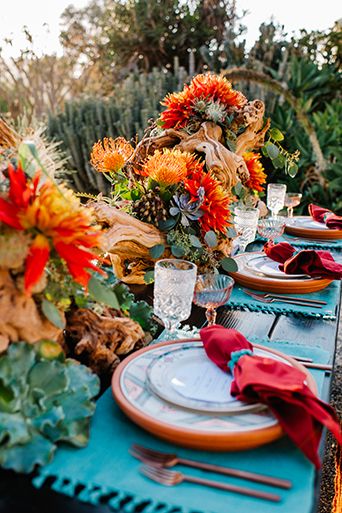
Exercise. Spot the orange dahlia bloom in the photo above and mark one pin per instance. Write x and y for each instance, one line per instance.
(257, 177)
(216, 201)
(110, 155)
(170, 167)
(208, 87)
(58, 221)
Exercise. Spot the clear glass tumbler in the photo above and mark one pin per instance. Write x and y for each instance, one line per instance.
(276, 197)
(174, 284)
(245, 224)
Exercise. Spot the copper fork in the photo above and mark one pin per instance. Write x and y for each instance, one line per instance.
(264, 299)
(172, 478)
(161, 459)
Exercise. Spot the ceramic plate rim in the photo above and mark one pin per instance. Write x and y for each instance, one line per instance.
(122, 400)
(241, 408)
(286, 277)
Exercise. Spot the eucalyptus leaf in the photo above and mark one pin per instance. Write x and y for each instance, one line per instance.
(211, 239)
(279, 162)
(195, 242)
(276, 134)
(229, 265)
(231, 232)
(157, 251)
(272, 150)
(238, 188)
(99, 292)
(292, 169)
(149, 277)
(167, 225)
(52, 313)
(177, 251)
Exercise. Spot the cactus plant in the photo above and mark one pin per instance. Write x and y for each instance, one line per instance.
(126, 112)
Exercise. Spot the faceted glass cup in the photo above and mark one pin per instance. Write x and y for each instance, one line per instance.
(276, 197)
(271, 228)
(245, 224)
(174, 283)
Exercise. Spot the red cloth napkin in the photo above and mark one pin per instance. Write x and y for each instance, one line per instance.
(323, 215)
(311, 262)
(300, 413)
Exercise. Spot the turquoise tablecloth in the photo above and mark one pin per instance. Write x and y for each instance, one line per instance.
(104, 470)
(241, 301)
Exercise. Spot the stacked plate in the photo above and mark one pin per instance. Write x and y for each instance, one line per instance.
(174, 391)
(306, 227)
(258, 272)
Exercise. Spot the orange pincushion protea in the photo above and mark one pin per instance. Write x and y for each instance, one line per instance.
(110, 155)
(216, 201)
(208, 87)
(57, 219)
(257, 177)
(170, 167)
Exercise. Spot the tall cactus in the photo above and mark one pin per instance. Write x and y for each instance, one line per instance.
(126, 112)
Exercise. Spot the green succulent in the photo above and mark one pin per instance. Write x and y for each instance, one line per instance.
(44, 399)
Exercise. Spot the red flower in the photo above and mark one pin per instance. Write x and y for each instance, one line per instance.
(57, 219)
(216, 201)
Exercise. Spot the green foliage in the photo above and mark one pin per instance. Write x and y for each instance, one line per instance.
(43, 401)
(126, 113)
(102, 293)
(144, 33)
(139, 311)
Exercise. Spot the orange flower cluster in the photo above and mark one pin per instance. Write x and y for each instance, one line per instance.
(170, 167)
(110, 155)
(216, 201)
(209, 87)
(257, 177)
(56, 219)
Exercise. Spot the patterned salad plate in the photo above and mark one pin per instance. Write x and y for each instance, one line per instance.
(191, 427)
(250, 275)
(306, 227)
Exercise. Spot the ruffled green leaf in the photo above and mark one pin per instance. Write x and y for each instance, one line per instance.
(42, 401)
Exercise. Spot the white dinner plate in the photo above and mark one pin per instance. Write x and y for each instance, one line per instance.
(187, 377)
(264, 265)
(306, 222)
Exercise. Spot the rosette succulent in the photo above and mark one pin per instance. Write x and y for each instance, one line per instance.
(44, 399)
(188, 210)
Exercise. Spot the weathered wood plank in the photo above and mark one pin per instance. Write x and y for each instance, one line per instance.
(249, 323)
(306, 331)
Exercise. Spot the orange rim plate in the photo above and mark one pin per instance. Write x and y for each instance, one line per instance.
(312, 233)
(214, 432)
(247, 278)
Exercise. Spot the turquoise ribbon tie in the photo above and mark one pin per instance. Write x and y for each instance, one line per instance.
(235, 356)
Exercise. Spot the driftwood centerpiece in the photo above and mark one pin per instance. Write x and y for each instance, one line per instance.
(182, 178)
(126, 239)
(99, 341)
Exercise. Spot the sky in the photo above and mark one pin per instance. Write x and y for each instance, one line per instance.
(293, 14)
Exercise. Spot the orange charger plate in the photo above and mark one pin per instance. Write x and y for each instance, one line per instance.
(232, 441)
(255, 282)
(312, 233)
